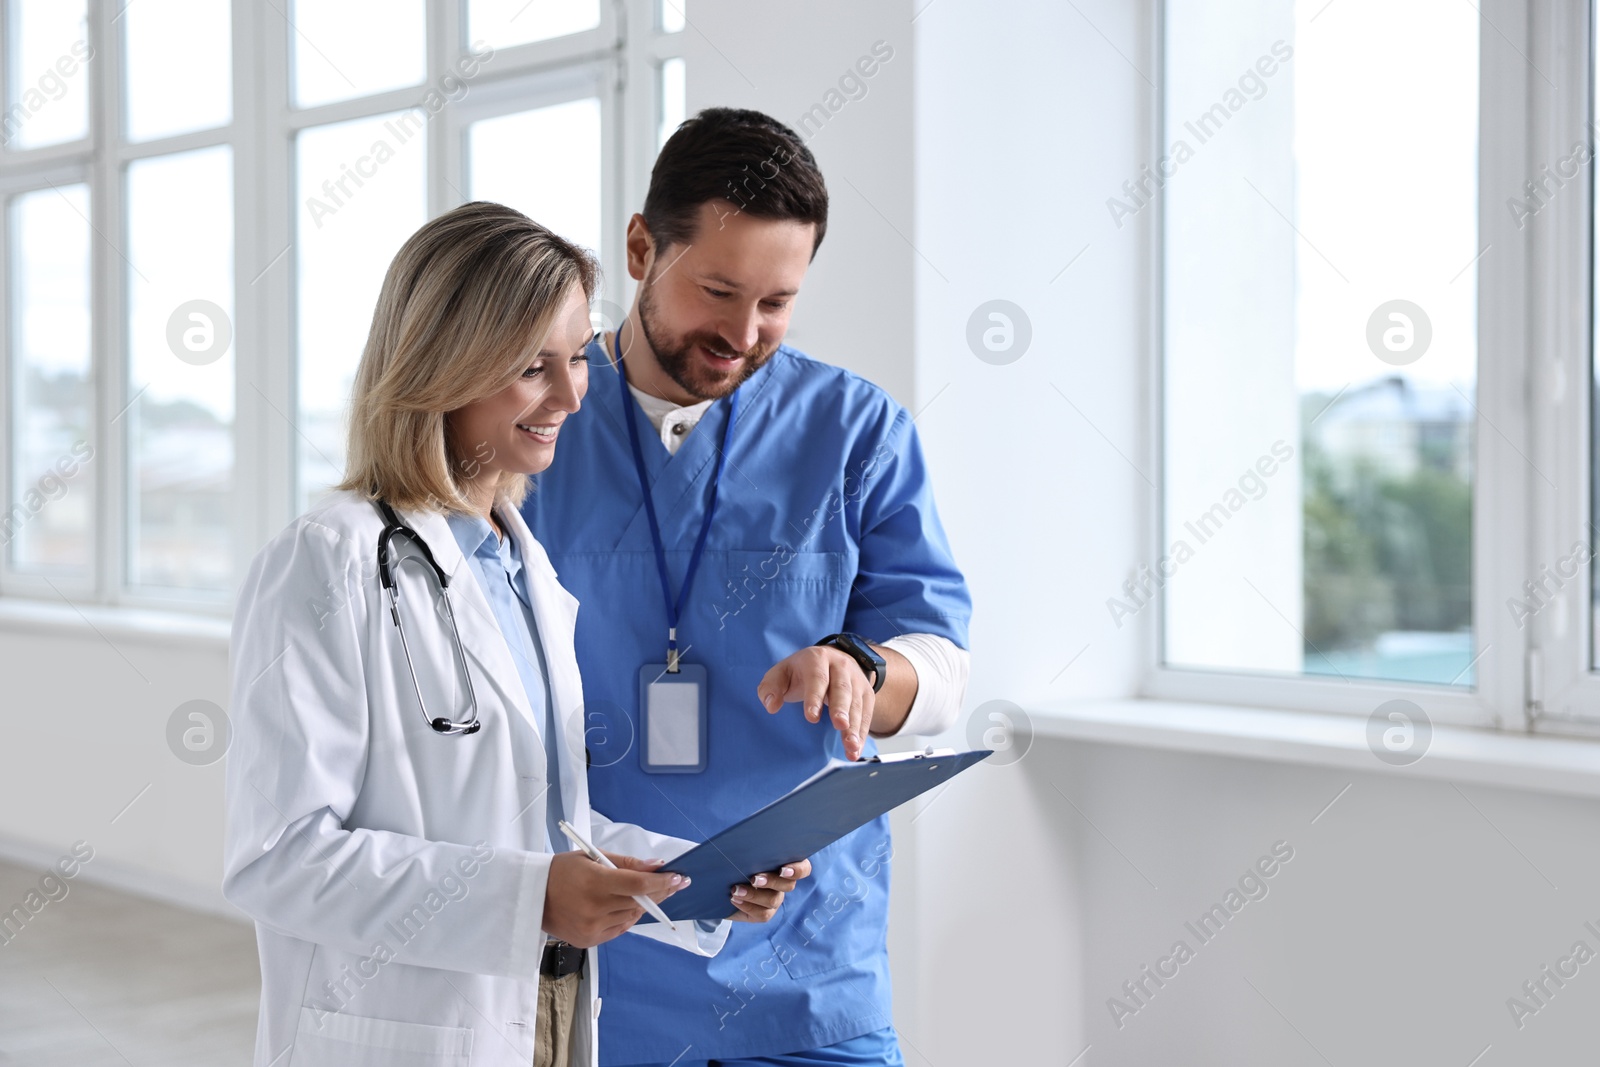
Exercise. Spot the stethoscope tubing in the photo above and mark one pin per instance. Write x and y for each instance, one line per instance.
(396, 527)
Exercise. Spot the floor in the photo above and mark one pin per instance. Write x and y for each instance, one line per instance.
(102, 977)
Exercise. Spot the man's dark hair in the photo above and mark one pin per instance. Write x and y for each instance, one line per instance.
(744, 157)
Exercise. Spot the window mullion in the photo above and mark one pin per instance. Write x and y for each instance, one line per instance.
(8, 348)
(1505, 471)
(108, 274)
(252, 255)
(444, 46)
(261, 81)
(631, 138)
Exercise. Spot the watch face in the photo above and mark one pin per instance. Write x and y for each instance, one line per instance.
(872, 664)
(852, 644)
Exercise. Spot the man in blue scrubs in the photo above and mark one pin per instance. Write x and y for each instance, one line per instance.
(788, 505)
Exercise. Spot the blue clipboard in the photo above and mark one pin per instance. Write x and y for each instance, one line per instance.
(841, 798)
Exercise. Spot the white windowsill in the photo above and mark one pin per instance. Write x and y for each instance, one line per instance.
(1456, 753)
(162, 627)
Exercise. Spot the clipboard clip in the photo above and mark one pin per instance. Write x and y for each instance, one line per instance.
(899, 757)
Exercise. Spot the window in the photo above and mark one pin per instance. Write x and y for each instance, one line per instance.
(672, 15)
(354, 48)
(503, 23)
(1337, 520)
(180, 369)
(566, 197)
(345, 236)
(188, 35)
(53, 442)
(190, 255)
(46, 92)
(674, 97)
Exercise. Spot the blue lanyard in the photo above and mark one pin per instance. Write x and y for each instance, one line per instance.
(674, 607)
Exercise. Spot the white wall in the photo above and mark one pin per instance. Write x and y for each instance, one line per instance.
(1025, 123)
(1410, 912)
(1026, 894)
(855, 309)
(85, 715)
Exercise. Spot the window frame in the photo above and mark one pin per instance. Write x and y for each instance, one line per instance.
(1563, 686)
(1500, 490)
(261, 136)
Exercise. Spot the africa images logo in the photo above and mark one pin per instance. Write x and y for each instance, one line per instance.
(1399, 732)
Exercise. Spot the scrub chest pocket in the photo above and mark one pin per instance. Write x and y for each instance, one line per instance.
(777, 601)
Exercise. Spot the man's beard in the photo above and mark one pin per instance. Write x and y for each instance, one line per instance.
(677, 356)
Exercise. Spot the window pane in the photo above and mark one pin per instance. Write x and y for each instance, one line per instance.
(180, 337)
(180, 70)
(674, 98)
(502, 23)
(672, 16)
(349, 228)
(346, 48)
(47, 87)
(49, 519)
(507, 159)
(1320, 340)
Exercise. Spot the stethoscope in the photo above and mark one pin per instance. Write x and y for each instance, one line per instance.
(397, 528)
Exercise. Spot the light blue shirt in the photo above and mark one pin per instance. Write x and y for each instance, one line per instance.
(498, 567)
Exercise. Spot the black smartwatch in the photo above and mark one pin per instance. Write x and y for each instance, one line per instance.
(855, 646)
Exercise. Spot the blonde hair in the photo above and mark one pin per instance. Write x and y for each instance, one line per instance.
(466, 298)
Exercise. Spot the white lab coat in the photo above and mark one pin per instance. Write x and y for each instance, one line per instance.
(396, 875)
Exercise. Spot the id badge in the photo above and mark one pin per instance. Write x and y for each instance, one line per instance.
(672, 719)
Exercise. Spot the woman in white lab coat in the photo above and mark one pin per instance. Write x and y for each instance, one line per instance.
(392, 791)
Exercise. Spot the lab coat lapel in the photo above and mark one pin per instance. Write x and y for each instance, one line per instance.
(485, 645)
(555, 612)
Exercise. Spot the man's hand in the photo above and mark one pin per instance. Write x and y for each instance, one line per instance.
(818, 675)
(586, 904)
(759, 901)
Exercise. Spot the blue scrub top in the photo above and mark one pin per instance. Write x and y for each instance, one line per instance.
(825, 522)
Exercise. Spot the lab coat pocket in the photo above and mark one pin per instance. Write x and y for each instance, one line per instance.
(336, 1039)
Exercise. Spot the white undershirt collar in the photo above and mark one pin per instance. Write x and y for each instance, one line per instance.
(672, 422)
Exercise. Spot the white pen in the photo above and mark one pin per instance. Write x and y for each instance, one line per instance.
(605, 861)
